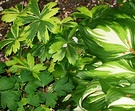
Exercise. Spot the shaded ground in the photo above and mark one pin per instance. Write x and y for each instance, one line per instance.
(66, 8)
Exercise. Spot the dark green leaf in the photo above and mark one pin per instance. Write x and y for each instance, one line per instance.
(6, 83)
(9, 99)
(45, 78)
(63, 86)
(2, 67)
(50, 99)
(33, 99)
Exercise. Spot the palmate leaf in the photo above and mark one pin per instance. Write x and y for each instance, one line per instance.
(12, 13)
(9, 99)
(45, 78)
(114, 40)
(27, 64)
(41, 51)
(63, 86)
(12, 41)
(64, 47)
(40, 23)
(49, 99)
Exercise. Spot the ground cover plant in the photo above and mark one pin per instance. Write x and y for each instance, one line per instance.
(85, 62)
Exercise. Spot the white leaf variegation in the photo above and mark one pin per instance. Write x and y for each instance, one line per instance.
(123, 101)
(114, 38)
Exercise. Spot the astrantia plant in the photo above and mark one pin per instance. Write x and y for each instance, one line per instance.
(80, 63)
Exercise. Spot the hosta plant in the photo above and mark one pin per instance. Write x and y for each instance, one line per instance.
(80, 63)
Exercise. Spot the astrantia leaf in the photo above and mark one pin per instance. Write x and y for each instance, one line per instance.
(38, 23)
(9, 99)
(50, 99)
(33, 99)
(45, 78)
(7, 83)
(12, 41)
(12, 13)
(63, 86)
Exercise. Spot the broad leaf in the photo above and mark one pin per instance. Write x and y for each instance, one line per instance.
(33, 99)
(121, 97)
(50, 99)
(45, 78)
(63, 86)
(118, 69)
(93, 97)
(7, 83)
(114, 41)
(9, 99)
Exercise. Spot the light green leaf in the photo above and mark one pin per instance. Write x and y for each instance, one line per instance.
(11, 14)
(30, 61)
(56, 46)
(71, 55)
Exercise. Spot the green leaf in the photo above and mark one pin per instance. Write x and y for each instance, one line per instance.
(42, 51)
(38, 23)
(42, 108)
(7, 83)
(50, 99)
(93, 97)
(33, 7)
(45, 78)
(31, 87)
(26, 76)
(63, 86)
(71, 54)
(2, 67)
(114, 41)
(12, 41)
(121, 97)
(118, 69)
(30, 61)
(33, 99)
(9, 99)
(11, 14)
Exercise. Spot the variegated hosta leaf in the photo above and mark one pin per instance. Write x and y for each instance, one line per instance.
(122, 97)
(118, 69)
(116, 40)
(93, 98)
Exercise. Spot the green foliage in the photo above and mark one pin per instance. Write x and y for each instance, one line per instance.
(85, 62)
